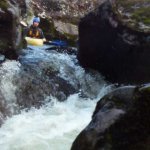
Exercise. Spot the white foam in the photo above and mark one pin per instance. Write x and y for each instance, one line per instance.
(52, 127)
(56, 124)
(8, 71)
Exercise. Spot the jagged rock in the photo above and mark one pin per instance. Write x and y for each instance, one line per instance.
(40, 82)
(115, 39)
(38, 88)
(120, 122)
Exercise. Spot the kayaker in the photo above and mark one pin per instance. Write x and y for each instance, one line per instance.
(34, 31)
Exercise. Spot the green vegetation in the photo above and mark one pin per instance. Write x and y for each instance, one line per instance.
(127, 4)
(4, 5)
(147, 89)
(134, 13)
(142, 15)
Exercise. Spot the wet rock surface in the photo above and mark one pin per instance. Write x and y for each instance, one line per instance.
(40, 76)
(40, 83)
(30, 82)
(120, 121)
(110, 43)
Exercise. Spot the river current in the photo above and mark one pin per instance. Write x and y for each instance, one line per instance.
(56, 123)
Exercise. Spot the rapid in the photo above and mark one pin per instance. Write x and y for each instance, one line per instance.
(47, 98)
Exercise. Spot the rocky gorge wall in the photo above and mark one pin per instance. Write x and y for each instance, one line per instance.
(11, 31)
(115, 39)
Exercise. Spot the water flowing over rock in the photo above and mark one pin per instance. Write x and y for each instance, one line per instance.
(115, 39)
(8, 105)
(120, 122)
(46, 97)
(41, 75)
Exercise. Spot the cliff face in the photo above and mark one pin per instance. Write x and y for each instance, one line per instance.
(68, 9)
(115, 39)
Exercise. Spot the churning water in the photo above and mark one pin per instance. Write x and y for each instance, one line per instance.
(54, 125)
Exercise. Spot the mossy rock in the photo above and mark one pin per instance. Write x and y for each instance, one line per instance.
(50, 32)
(47, 25)
(4, 5)
(134, 13)
(29, 15)
(145, 88)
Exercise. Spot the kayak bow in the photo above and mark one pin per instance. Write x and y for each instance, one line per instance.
(34, 41)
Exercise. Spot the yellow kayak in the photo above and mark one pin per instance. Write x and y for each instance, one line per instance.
(34, 41)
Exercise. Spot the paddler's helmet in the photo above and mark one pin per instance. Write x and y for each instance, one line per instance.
(36, 19)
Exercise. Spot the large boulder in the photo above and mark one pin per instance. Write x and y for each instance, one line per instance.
(11, 31)
(115, 39)
(120, 122)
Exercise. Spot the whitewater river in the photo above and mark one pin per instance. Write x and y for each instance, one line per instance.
(55, 124)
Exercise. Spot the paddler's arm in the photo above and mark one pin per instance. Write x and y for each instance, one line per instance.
(44, 40)
(43, 37)
(41, 34)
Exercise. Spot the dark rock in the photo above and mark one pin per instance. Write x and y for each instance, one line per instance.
(10, 29)
(37, 83)
(61, 49)
(120, 122)
(119, 49)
